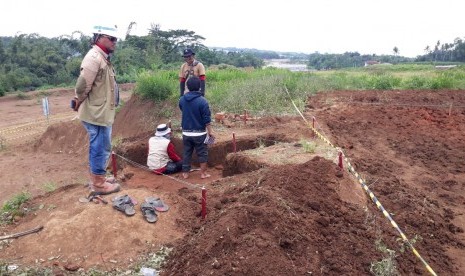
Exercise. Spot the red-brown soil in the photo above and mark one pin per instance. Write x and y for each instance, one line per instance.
(272, 207)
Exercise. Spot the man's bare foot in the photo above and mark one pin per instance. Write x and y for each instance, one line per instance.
(204, 175)
(185, 175)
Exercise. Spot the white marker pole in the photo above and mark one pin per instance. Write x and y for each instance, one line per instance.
(45, 107)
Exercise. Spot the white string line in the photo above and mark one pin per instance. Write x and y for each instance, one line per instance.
(135, 164)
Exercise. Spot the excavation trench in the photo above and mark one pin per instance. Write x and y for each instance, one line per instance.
(221, 155)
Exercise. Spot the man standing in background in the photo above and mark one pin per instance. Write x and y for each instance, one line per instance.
(96, 99)
(191, 67)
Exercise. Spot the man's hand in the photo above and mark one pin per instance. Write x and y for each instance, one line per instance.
(77, 103)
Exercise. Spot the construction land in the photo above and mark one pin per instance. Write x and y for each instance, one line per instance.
(277, 203)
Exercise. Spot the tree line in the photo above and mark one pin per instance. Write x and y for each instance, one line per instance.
(350, 59)
(447, 52)
(29, 61)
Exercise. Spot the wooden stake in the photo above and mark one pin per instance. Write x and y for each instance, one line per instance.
(17, 235)
(234, 142)
(341, 166)
(204, 202)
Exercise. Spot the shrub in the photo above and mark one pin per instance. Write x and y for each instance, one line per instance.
(12, 208)
(441, 81)
(415, 82)
(14, 203)
(157, 87)
(384, 82)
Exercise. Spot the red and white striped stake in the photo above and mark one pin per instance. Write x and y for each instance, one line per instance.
(113, 163)
(204, 202)
(234, 142)
(341, 166)
(245, 116)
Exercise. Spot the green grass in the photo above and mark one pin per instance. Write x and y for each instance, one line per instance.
(2, 143)
(157, 86)
(22, 96)
(308, 146)
(12, 207)
(269, 91)
(116, 141)
(49, 187)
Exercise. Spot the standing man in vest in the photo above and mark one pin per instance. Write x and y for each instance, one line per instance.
(97, 97)
(191, 67)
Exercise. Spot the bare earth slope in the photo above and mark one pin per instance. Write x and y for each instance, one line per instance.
(272, 208)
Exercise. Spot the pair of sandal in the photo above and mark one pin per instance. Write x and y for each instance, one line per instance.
(126, 205)
(150, 207)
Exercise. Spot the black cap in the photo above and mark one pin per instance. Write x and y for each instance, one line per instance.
(187, 52)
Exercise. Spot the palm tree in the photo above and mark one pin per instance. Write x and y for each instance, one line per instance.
(396, 53)
(427, 50)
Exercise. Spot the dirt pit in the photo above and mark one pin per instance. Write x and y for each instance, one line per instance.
(279, 205)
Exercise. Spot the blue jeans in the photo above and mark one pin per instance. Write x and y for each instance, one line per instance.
(189, 144)
(99, 147)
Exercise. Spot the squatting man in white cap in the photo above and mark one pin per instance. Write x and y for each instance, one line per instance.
(96, 99)
(162, 157)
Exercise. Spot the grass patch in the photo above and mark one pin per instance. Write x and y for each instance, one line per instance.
(271, 91)
(22, 96)
(387, 266)
(308, 146)
(49, 187)
(155, 260)
(2, 143)
(404, 246)
(120, 106)
(12, 207)
(157, 86)
(116, 141)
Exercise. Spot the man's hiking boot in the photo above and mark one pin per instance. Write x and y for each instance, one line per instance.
(102, 187)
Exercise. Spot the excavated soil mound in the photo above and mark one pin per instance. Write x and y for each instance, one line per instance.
(409, 146)
(68, 137)
(279, 221)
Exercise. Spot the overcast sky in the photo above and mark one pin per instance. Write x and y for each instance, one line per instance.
(325, 26)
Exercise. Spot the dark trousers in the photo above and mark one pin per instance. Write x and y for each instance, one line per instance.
(191, 143)
(173, 167)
